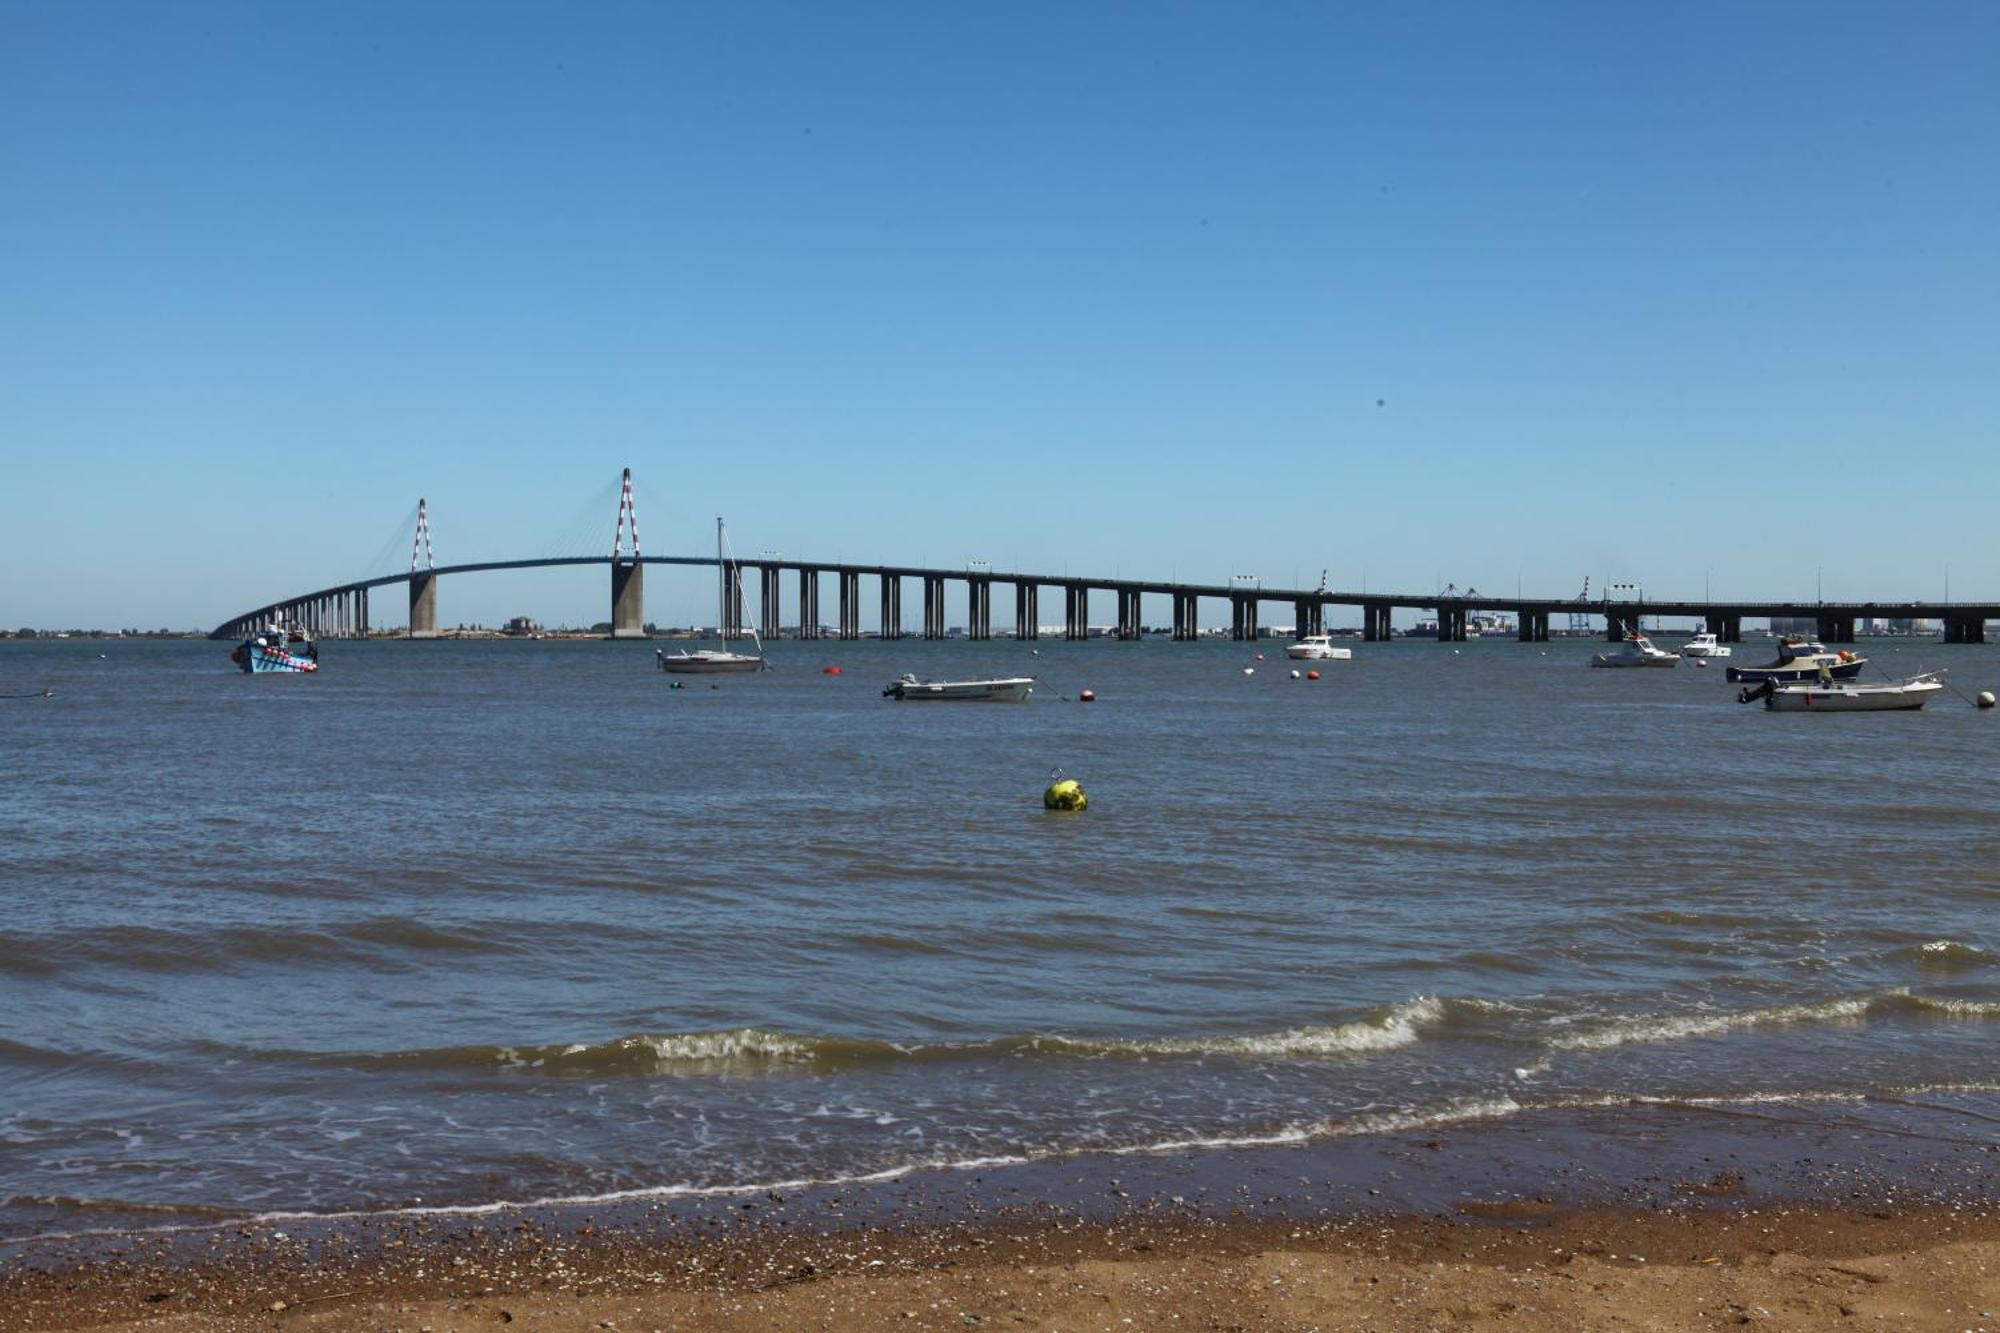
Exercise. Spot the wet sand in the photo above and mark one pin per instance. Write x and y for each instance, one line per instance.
(1860, 1215)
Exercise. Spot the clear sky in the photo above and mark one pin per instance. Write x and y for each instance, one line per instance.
(1684, 295)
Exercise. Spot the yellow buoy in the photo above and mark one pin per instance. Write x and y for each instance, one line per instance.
(1064, 794)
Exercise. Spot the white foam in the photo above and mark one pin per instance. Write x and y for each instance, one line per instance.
(736, 1044)
(1395, 1027)
(1458, 1111)
(1680, 1027)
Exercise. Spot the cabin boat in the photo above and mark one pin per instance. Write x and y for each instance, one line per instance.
(1801, 660)
(1318, 648)
(280, 647)
(708, 661)
(1009, 690)
(1636, 651)
(1841, 696)
(1705, 644)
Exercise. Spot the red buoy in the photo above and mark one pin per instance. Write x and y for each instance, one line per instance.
(1312, 675)
(1087, 696)
(830, 671)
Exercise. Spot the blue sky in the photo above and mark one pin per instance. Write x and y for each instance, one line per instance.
(1670, 294)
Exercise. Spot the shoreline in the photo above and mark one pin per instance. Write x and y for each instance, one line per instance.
(1515, 1195)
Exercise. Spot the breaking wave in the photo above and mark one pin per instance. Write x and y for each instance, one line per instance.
(1386, 1029)
(1846, 1009)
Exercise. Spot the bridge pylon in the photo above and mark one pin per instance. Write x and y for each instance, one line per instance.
(628, 576)
(423, 578)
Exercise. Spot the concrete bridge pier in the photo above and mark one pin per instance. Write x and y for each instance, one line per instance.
(1620, 621)
(1375, 626)
(808, 603)
(1533, 626)
(768, 601)
(979, 608)
(933, 607)
(1965, 629)
(361, 623)
(850, 605)
(1836, 629)
(733, 618)
(1027, 622)
(892, 606)
(628, 600)
(424, 605)
(1076, 611)
(1726, 629)
(1187, 625)
(1129, 626)
(1451, 622)
(1308, 616)
(1242, 616)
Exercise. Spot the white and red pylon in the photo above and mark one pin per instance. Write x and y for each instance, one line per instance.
(625, 511)
(421, 544)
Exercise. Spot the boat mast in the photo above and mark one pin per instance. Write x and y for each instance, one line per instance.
(721, 588)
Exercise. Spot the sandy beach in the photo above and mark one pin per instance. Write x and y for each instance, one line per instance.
(1800, 1268)
(1785, 1219)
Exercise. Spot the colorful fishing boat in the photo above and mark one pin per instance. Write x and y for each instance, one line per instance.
(279, 647)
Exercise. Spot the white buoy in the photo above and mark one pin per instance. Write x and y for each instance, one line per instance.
(1986, 698)
(1295, 673)
(1249, 671)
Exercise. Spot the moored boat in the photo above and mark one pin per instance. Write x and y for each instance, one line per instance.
(1802, 660)
(1705, 644)
(280, 647)
(707, 661)
(1838, 696)
(1636, 651)
(1318, 648)
(711, 661)
(1009, 690)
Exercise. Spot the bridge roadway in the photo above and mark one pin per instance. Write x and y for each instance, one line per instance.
(343, 610)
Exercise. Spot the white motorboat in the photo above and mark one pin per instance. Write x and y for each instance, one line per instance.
(1636, 651)
(1705, 645)
(1318, 648)
(1010, 690)
(709, 661)
(1842, 696)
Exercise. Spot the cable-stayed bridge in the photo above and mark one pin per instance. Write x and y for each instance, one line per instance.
(344, 609)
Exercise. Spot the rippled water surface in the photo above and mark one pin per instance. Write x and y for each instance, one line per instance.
(467, 922)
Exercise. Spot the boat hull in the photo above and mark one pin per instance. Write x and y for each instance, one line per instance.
(709, 664)
(1312, 653)
(1797, 673)
(257, 660)
(1851, 699)
(1611, 660)
(962, 691)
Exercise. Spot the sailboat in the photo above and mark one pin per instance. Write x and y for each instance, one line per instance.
(707, 660)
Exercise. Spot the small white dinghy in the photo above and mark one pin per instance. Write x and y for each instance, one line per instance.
(1011, 690)
(1841, 696)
